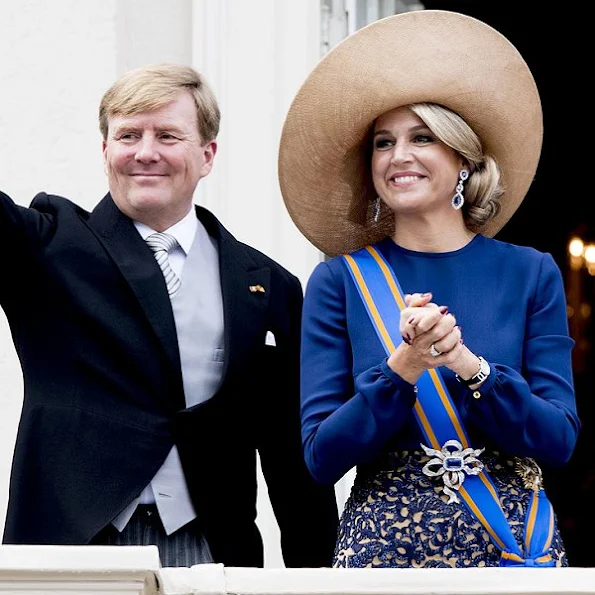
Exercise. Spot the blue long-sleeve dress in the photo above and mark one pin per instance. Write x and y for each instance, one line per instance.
(510, 303)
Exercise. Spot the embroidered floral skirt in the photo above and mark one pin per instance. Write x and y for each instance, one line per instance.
(396, 516)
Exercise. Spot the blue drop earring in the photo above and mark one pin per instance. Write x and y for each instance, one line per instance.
(458, 199)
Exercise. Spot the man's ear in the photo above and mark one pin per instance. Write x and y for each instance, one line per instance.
(209, 152)
(103, 151)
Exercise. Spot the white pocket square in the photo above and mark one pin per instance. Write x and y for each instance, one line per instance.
(270, 339)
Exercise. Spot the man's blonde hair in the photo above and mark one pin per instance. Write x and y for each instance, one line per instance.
(151, 87)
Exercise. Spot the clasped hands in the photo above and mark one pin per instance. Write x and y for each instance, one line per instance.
(431, 330)
(431, 338)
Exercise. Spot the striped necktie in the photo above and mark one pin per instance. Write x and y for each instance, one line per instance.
(162, 244)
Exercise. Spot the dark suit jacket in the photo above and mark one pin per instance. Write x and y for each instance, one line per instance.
(94, 331)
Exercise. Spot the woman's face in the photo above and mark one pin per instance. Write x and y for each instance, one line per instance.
(412, 170)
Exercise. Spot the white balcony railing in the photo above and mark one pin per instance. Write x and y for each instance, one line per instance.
(91, 570)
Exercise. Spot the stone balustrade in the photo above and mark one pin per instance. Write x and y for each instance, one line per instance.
(105, 570)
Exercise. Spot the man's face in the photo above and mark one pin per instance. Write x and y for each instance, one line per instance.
(154, 161)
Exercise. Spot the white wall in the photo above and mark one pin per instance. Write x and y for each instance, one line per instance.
(56, 60)
(255, 55)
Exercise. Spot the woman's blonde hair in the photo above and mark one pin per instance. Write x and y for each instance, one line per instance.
(483, 188)
(151, 87)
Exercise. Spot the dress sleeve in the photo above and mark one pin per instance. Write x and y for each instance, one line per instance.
(345, 420)
(533, 412)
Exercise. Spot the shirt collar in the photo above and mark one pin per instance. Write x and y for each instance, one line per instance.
(184, 230)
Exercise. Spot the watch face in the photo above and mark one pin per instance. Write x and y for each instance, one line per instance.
(482, 374)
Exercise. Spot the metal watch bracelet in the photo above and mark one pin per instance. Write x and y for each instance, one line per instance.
(479, 377)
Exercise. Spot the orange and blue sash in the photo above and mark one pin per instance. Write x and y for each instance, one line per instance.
(439, 420)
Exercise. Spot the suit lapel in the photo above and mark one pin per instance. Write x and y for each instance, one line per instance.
(244, 304)
(139, 267)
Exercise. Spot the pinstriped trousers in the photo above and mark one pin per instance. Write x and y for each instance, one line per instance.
(185, 547)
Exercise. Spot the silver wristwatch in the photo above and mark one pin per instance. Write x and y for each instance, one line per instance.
(482, 374)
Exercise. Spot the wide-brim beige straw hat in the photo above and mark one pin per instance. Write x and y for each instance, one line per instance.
(421, 56)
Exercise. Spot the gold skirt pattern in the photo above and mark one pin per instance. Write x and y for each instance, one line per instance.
(397, 517)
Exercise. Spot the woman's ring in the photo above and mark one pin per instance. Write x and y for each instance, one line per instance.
(433, 351)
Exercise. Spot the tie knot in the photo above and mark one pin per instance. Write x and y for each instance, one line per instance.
(161, 241)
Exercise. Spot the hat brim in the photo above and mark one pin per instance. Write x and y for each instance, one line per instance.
(421, 56)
